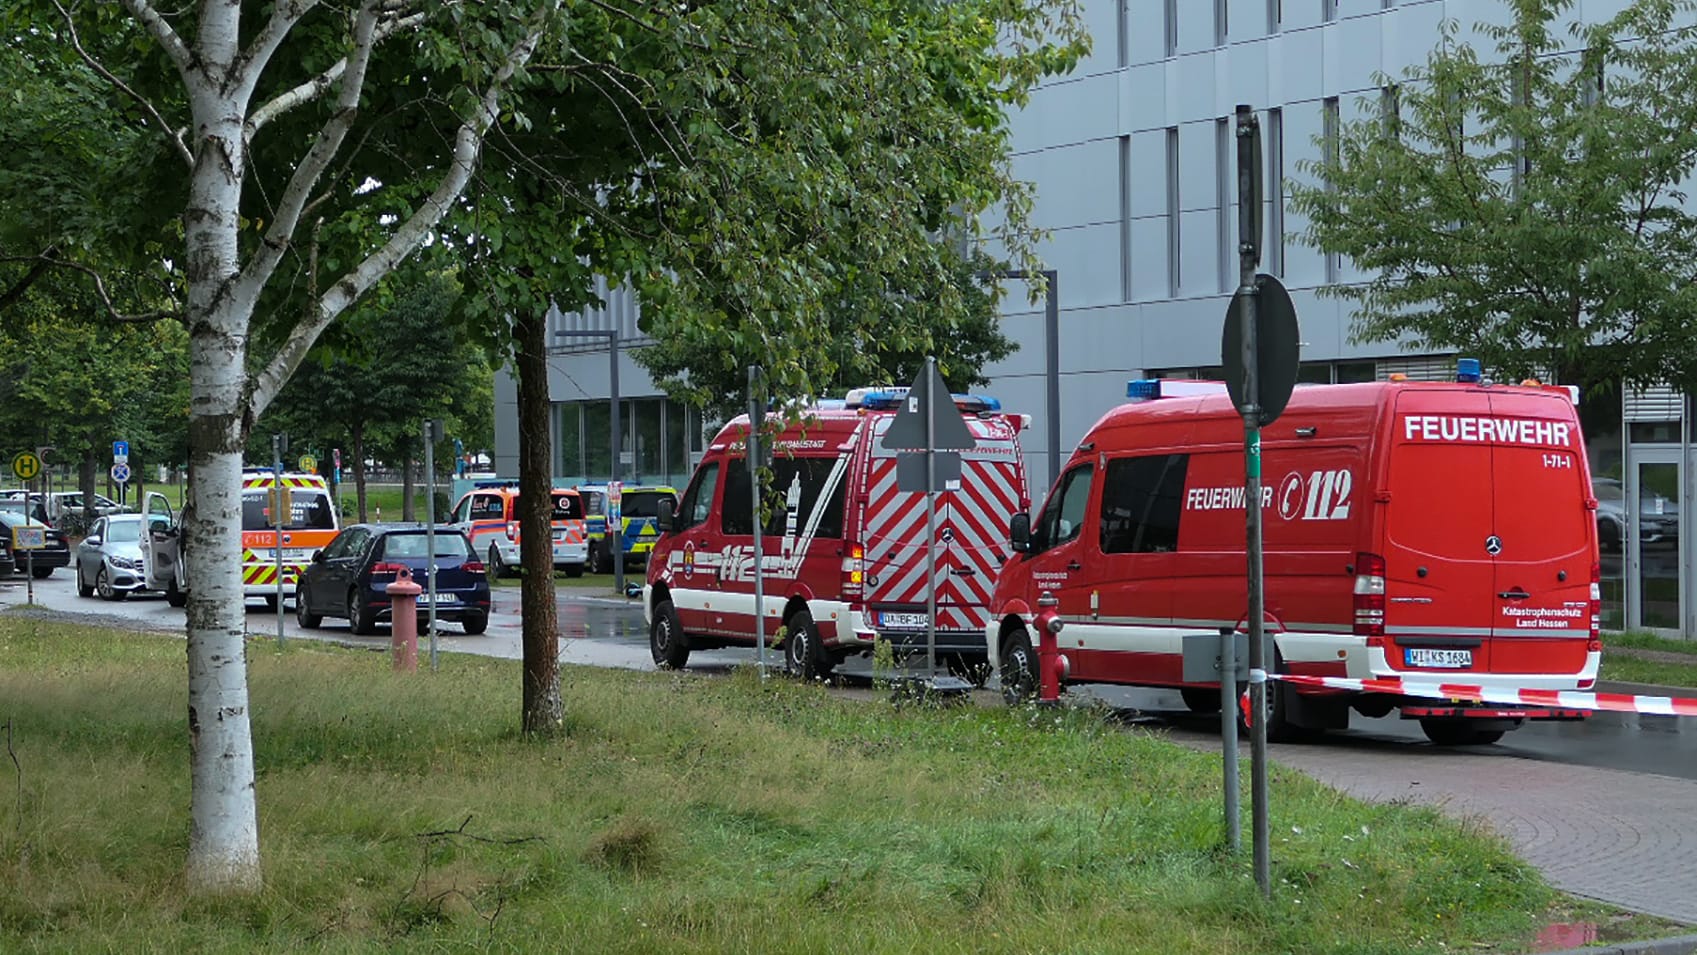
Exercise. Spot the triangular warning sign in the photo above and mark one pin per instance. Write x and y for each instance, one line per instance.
(929, 399)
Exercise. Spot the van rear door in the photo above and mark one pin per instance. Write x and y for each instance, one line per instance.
(1440, 575)
(1543, 571)
(973, 525)
(1488, 539)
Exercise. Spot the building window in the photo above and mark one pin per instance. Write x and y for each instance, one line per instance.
(1221, 27)
(1390, 110)
(643, 452)
(1329, 135)
(1276, 185)
(1173, 275)
(597, 460)
(1275, 15)
(1592, 93)
(1223, 181)
(1123, 18)
(1171, 18)
(568, 444)
(1328, 10)
(1125, 217)
(677, 444)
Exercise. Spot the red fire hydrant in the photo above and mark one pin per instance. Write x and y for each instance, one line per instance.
(1049, 660)
(403, 626)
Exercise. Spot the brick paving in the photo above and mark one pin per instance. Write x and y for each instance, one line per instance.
(1629, 839)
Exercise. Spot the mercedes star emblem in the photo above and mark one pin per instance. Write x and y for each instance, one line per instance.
(1493, 545)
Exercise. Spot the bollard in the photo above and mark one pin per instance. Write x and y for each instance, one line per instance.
(403, 621)
(1049, 660)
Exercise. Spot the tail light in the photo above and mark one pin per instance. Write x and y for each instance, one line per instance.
(1370, 598)
(512, 530)
(854, 571)
(472, 566)
(1596, 642)
(384, 567)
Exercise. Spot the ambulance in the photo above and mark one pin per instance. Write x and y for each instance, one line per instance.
(310, 523)
(1436, 530)
(843, 547)
(488, 515)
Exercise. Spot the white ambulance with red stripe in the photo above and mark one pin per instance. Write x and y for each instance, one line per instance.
(1431, 530)
(843, 548)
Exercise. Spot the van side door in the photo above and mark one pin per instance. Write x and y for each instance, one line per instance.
(1130, 600)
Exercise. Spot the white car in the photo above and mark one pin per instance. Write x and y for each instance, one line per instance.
(110, 560)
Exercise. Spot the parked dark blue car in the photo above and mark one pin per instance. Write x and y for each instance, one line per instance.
(349, 577)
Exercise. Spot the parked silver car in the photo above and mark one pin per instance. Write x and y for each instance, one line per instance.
(110, 560)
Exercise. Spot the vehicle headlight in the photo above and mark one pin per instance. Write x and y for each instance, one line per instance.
(127, 563)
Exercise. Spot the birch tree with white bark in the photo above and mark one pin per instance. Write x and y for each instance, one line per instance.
(269, 153)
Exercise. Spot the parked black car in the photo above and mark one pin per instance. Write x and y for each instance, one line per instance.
(349, 578)
(42, 563)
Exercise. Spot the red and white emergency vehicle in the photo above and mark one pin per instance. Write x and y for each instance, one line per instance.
(844, 550)
(1431, 529)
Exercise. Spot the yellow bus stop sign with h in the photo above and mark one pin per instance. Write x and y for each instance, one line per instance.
(26, 465)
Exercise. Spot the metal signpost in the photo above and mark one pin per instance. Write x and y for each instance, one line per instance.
(432, 434)
(929, 422)
(755, 461)
(29, 540)
(616, 532)
(279, 517)
(1260, 348)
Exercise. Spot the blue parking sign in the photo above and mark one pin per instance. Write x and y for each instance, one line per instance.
(120, 452)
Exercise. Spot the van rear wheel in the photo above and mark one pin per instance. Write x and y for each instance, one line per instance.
(1457, 733)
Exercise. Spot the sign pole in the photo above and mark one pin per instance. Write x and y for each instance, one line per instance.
(1249, 226)
(432, 434)
(752, 448)
(930, 522)
(279, 518)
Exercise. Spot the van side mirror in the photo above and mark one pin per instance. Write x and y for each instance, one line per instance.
(1019, 532)
(666, 516)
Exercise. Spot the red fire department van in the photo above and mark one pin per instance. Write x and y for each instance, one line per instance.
(1432, 529)
(843, 551)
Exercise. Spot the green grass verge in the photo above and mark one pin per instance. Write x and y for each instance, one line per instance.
(681, 813)
(1646, 658)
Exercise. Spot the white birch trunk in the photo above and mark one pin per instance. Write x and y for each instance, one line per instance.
(224, 830)
(224, 397)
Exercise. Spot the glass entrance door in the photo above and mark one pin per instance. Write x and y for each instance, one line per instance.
(1653, 524)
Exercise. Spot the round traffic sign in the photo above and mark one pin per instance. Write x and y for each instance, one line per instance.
(120, 474)
(309, 464)
(26, 465)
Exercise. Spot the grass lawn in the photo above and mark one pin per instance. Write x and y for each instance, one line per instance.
(1645, 658)
(682, 813)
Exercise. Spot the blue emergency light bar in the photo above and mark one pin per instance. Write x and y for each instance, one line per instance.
(1467, 370)
(1143, 388)
(891, 400)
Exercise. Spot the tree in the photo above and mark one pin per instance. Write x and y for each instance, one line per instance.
(288, 164)
(1528, 208)
(776, 179)
(387, 365)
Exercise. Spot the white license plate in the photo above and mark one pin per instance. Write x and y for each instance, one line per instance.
(441, 599)
(903, 621)
(1448, 659)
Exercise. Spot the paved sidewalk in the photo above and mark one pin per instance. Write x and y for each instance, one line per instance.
(1621, 837)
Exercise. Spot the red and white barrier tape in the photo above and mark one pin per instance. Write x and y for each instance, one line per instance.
(1473, 693)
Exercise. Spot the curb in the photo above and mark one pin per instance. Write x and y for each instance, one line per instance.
(1678, 945)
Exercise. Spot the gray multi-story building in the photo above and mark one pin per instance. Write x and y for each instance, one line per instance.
(1133, 156)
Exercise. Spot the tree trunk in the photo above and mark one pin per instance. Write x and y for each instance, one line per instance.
(223, 854)
(544, 713)
(359, 468)
(86, 487)
(407, 486)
